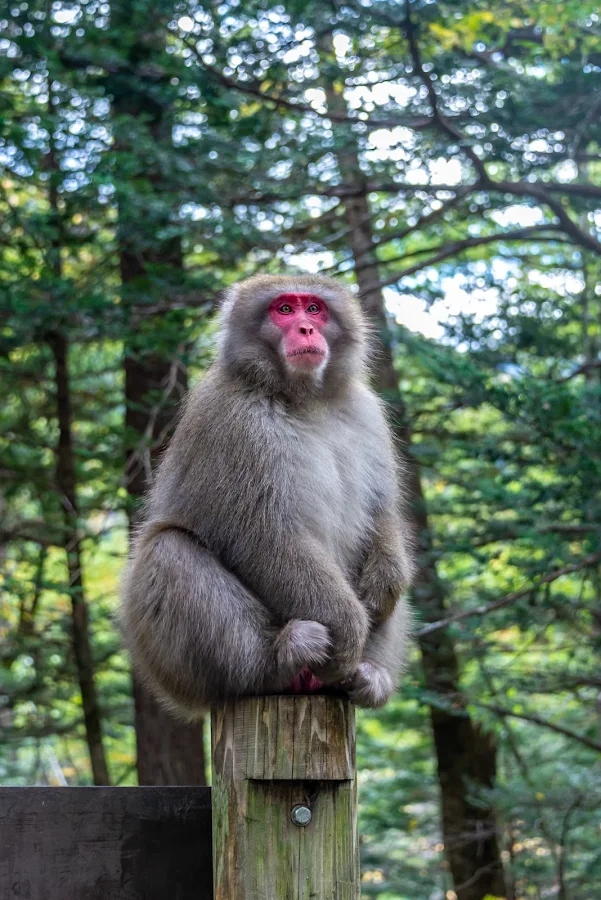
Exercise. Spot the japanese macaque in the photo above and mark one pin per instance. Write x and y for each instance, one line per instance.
(274, 556)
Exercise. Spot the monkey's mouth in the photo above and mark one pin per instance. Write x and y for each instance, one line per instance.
(305, 350)
(306, 358)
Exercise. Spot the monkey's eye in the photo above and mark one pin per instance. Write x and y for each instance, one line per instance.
(285, 308)
(314, 308)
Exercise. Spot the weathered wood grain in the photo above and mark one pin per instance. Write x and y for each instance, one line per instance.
(146, 843)
(270, 754)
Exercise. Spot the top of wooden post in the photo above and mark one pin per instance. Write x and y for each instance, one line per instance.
(288, 737)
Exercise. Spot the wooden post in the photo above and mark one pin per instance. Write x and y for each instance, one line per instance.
(285, 799)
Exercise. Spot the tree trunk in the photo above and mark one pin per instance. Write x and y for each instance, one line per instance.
(65, 477)
(169, 752)
(466, 757)
(67, 486)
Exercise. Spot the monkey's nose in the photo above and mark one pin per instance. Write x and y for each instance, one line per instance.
(306, 329)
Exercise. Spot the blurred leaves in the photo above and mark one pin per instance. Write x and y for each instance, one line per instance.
(233, 159)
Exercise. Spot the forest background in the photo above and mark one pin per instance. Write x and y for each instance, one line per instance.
(445, 159)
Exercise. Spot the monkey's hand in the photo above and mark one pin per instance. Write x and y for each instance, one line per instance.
(349, 634)
(303, 582)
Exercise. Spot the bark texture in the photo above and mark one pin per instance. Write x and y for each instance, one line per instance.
(169, 752)
(466, 757)
(66, 482)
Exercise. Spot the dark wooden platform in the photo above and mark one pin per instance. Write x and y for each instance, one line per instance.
(96, 843)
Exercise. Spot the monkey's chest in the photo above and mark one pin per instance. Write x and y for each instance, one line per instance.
(334, 491)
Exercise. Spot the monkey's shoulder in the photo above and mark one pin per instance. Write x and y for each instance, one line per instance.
(216, 401)
(215, 404)
(234, 429)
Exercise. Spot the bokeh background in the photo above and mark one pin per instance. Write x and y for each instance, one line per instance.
(445, 159)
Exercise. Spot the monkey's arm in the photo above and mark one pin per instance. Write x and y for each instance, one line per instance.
(302, 581)
(388, 565)
(388, 568)
(197, 634)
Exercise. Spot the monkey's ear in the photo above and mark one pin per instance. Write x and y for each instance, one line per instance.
(228, 300)
(226, 307)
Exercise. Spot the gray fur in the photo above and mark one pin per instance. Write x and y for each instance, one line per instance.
(273, 538)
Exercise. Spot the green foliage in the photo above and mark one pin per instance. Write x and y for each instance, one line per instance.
(152, 154)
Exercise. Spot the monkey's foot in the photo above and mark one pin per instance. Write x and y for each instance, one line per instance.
(305, 683)
(370, 686)
(301, 644)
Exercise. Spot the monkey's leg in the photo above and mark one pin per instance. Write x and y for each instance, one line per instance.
(199, 635)
(384, 659)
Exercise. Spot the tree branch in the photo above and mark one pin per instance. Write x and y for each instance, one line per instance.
(537, 720)
(360, 189)
(415, 124)
(585, 563)
(421, 223)
(441, 121)
(531, 233)
(584, 238)
(19, 534)
(582, 370)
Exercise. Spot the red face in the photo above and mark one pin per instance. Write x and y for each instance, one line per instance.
(301, 318)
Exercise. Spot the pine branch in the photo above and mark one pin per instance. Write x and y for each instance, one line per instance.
(537, 720)
(589, 561)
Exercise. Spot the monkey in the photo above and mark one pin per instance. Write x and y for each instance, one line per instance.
(274, 553)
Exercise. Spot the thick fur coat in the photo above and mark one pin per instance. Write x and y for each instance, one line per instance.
(273, 538)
